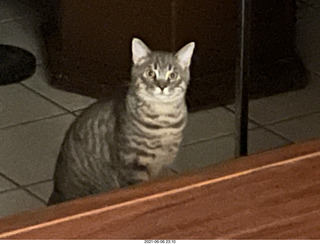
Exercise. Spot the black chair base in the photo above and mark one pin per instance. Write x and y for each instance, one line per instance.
(16, 64)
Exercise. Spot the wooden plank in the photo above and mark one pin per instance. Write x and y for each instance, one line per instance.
(271, 195)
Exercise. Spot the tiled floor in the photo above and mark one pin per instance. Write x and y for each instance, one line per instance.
(35, 116)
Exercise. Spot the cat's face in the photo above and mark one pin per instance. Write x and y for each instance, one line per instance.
(160, 75)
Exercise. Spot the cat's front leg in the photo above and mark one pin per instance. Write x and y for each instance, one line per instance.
(135, 173)
(167, 171)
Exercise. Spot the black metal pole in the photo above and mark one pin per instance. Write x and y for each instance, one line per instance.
(242, 77)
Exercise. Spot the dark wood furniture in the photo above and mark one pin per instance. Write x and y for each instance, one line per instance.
(88, 44)
(272, 195)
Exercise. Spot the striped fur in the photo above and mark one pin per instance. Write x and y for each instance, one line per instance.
(119, 143)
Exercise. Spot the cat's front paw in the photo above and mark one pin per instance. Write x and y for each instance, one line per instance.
(167, 171)
(137, 173)
(138, 177)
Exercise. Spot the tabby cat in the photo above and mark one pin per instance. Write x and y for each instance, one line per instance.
(115, 144)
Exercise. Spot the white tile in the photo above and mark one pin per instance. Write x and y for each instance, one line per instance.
(28, 152)
(260, 140)
(288, 105)
(299, 129)
(71, 101)
(209, 124)
(220, 149)
(13, 9)
(42, 190)
(204, 153)
(17, 201)
(18, 104)
(6, 184)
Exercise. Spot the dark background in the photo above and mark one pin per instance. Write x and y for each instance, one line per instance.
(89, 45)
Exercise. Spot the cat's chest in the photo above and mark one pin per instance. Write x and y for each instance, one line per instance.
(167, 142)
(155, 126)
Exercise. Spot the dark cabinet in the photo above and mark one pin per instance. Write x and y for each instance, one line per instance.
(89, 45)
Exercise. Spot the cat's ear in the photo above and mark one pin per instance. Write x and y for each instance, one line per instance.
(184, 55)
(139, 51)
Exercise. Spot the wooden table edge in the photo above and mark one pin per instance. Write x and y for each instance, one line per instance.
(31, 220)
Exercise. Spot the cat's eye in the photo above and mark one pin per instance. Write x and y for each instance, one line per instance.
(151, 73)
(173, 75)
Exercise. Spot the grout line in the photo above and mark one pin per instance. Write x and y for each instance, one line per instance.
(11, 181)
(39, 182)
(18, 186)
(277, 134)
(232, 134)
(9, 190)
(34, 121)
(281, 120)
(256, 126)
(54, 102)
(46, 98)
(28, 185)
(206, 140)
(34, 195)
(250, 120)
(292, 118)
(217, 137)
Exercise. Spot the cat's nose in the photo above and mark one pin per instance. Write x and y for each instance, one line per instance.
(162, 84)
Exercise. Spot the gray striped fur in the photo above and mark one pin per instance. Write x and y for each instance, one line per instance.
(115, 144)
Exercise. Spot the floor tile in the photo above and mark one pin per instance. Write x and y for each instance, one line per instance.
(28, 152)
(42, 190)
(68, 100)
(6, 184)
(204, 153)
(220, 149)
(288, 105)
(17, 201)
(13, 9)
(209, 124)
(18, 104)
(260, 140)
(299, 129)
